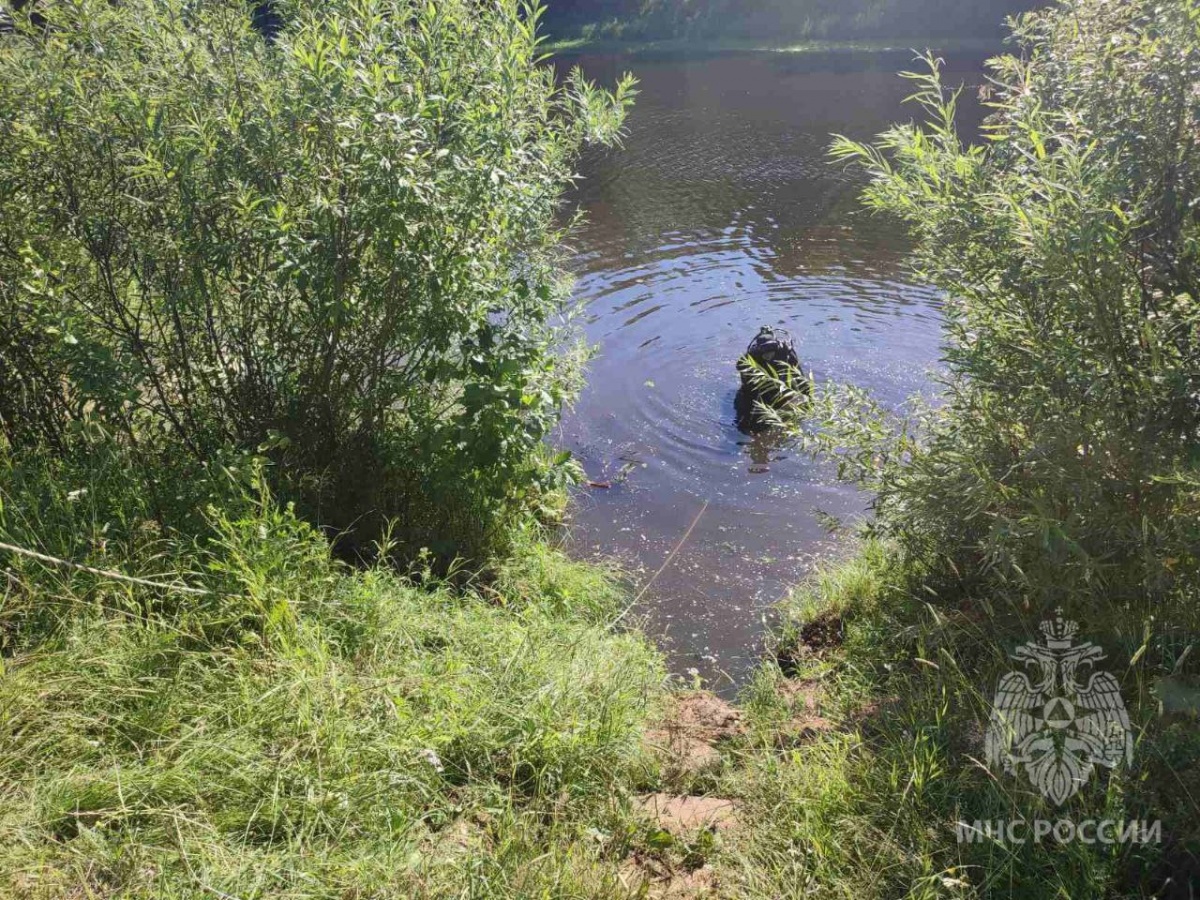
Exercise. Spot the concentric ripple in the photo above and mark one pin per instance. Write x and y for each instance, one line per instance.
(721, 214)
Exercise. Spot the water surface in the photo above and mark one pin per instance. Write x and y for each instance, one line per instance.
(720, 214)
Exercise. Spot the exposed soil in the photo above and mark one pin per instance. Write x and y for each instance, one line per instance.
(689, 741)
(688, 738)
(707, 717)
(816, 638)
(684, 817)
(662, 882)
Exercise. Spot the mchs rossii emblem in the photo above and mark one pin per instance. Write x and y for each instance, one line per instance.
(1059, 719)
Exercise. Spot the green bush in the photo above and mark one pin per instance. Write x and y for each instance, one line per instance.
(336, 249)
(1062, 464)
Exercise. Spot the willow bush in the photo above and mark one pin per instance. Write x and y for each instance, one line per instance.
(1062, 464)
(336, 249)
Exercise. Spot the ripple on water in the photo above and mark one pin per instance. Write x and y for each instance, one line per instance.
(722, 214)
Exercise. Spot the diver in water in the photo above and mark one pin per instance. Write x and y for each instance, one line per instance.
(770, 359)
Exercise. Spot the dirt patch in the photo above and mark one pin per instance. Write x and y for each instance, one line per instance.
(706, 717)
(684, 817)
(806, 723)
(662, 882)
(688, 737)
(679, 870)
(681, 754)
(816, 638)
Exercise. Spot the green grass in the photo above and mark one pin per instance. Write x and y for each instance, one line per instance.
(308, 730)
(870, 809)
(368, 737)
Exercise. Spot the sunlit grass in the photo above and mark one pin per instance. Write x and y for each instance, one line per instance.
(381, 738)
(872, 808)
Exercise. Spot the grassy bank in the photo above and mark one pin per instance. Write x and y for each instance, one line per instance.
(904, 675)
(308, 730)
(305, 730)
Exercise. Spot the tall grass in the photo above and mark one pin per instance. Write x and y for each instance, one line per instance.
(311, 731)
(875, 808)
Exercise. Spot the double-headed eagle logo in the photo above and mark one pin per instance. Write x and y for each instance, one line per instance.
(1057, 724)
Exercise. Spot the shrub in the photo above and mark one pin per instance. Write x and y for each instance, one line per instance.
(1062, 463)
(336, 248)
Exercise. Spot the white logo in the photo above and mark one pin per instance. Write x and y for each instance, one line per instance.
(1058, 725)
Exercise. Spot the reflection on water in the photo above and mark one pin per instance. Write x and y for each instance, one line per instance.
(722, 214)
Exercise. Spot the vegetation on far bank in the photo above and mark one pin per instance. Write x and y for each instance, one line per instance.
(770, 23)
(692, 48)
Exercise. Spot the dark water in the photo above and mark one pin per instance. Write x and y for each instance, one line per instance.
(721, 214)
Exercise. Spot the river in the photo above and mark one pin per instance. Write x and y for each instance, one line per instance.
(719, 214)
